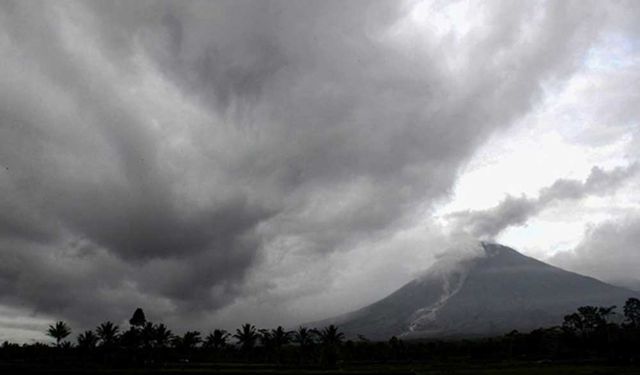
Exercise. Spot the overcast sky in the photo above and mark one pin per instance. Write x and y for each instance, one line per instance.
(278, 162)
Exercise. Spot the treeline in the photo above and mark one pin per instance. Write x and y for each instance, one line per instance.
(591, 333)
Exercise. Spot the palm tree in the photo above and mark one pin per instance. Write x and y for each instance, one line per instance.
(87, 340)
(191, 339)
(266, 341)
(146, 334)
(247, 337)
(187, 341)
(108, 333)
(280, 338)
(265, 337)
(305, 338)
(331, 339)
(217, 339)
(161, 336)
(59, 331)
(330, 336)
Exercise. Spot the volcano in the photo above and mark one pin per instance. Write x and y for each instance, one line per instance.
(498, 291)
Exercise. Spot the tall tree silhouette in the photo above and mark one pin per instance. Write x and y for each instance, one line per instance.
(330, 338)
(265, 338)
(59, 331)
(188, 341)
(108, 333)
(186, 344)
(138, 319)
(217, 339)
(247, 337)
(606, 313)
(588, 319)
(87, 340)
(132, 338)
(280, 338)
(266, 341)
(632, 312)
(305, 339)
(146, 335)
(161, 336)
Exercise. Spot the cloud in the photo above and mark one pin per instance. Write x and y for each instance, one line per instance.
(513, 211)
(165, 153)
(609, 251)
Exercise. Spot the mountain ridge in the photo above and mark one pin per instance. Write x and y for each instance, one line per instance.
(493, 293)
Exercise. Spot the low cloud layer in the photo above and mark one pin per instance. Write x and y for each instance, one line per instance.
(513, 211)
(187, 156)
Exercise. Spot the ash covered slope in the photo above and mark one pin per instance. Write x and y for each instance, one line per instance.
(494, 293)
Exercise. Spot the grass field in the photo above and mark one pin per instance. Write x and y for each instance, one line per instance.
(515, 368)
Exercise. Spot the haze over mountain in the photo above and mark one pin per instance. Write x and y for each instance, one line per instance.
(493, 292)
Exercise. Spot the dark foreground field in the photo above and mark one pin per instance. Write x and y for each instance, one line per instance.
(502, 368)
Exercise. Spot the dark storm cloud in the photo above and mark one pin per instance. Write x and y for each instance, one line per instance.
(514, 211)
(101, 180)
(156, 150)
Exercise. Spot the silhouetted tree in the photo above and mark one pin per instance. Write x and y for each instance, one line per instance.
(59, 331)
(331, 339)
(130, 339)
(397, 348)
(588, 319)
(147, 335)
(247, 337)
(266, 341)
(108, 334)
(587, 334)
(161, 336)
(279, 338)
(138, 319)
(574, 324)
(330, 336)
(632, 312)
(186, 344)
(191, 339)
(188, 340)
(303, 337)
(87, 340)
(265, 337)
(606, 313)
(217, 339)
(305, 340)
(66, 345)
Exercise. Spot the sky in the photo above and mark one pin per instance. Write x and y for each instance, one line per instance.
(280, 162)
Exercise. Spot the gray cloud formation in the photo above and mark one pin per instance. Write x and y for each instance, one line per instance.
(514, 211)
(153, 152)
(609, 252)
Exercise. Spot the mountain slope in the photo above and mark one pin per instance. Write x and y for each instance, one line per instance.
(491, 294)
